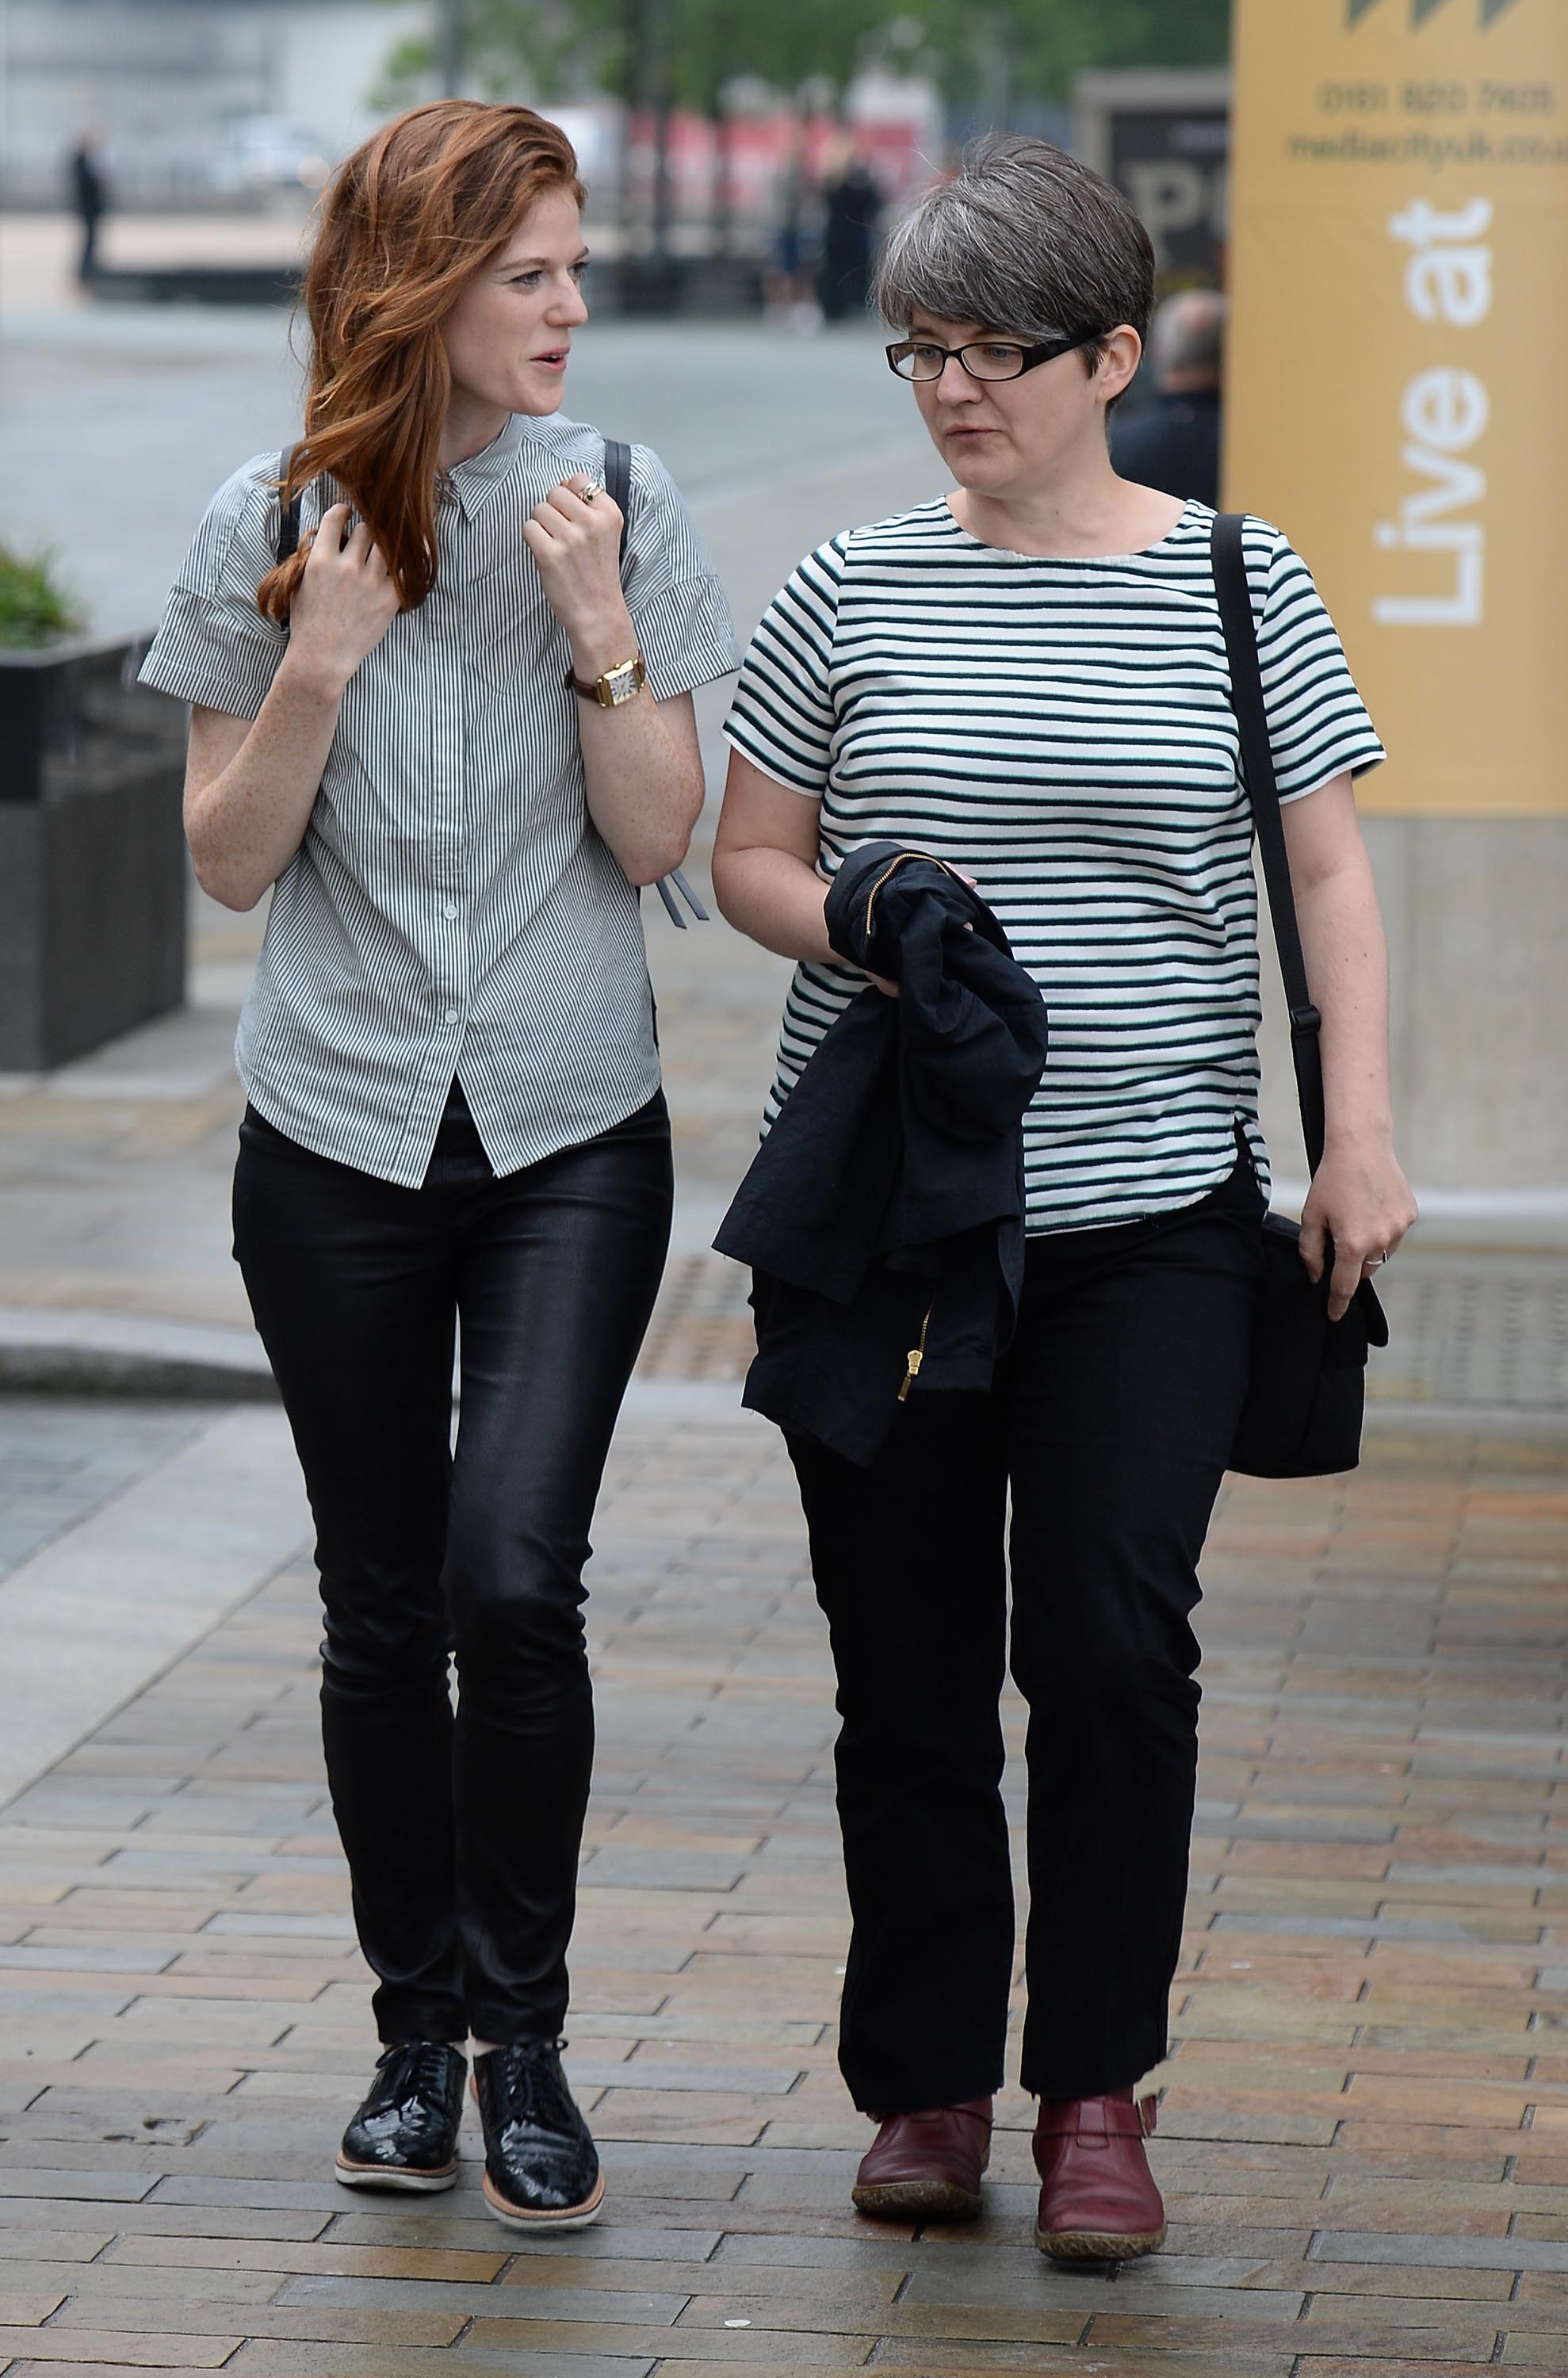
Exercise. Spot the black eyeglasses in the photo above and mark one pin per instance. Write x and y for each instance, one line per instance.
(982, 358)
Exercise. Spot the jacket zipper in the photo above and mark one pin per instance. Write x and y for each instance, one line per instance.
(902, 859)
(913, 1359)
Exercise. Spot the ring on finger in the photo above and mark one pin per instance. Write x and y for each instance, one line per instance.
(1370, 1262)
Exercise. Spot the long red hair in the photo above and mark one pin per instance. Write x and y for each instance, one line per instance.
(421, 208)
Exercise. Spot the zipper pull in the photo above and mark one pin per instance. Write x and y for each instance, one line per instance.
(913, 1359)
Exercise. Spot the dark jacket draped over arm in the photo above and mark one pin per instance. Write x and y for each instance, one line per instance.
(884, 1214)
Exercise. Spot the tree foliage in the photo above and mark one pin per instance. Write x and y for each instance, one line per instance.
(1035, 48)
(559, 49)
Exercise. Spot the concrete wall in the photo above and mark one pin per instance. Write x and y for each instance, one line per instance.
(1478, 920)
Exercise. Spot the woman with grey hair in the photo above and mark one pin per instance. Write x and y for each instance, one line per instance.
(1026, 679)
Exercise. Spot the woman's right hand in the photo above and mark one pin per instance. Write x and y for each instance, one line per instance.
(345, 600)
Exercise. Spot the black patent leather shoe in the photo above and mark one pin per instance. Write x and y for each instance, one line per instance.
(404, 2135)
(541, 2167)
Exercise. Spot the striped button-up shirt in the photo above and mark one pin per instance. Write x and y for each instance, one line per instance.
(452, 912)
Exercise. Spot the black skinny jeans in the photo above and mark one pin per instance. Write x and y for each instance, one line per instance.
(1110, 1421)
(461, 1833)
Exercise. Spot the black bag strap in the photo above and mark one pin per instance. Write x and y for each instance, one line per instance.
(288, 519)
(618, 484)
(618, 487)
(1235, 593)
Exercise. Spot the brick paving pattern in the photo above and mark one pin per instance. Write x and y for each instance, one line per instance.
(1364, 2138)
(61, 1461)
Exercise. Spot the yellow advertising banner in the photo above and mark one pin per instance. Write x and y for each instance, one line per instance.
(1397, 396)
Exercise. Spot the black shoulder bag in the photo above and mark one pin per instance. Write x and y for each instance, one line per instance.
(1306, 1396)
(618, 486)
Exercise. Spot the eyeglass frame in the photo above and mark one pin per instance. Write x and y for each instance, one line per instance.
(1033, 356)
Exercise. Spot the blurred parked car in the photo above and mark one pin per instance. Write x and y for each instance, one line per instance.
(257, 153)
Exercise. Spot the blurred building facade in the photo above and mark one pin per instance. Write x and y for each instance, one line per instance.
(195, 100)
(1165, 139)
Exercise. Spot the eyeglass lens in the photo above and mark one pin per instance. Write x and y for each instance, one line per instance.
(984, 360)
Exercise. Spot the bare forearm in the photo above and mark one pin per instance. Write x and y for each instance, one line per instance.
(1342, 939)
(774, 898)
(245, 824)
(644, 782)
(1360, 1206)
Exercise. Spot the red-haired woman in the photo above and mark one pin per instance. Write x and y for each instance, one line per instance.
(451, 736)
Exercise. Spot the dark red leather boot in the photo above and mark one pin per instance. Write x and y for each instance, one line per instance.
(926, 2167)
(1098, 2201)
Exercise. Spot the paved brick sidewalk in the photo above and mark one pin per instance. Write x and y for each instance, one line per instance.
(1365, 2135)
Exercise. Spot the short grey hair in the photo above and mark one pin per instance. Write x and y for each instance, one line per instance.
(1023, 238)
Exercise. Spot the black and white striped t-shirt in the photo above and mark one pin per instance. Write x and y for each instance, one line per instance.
(452, 911)
(1062, 730)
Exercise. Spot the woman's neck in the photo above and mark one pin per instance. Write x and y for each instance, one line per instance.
(470, 425)
(1073, 513)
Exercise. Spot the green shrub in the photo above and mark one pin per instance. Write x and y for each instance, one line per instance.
(34, 607)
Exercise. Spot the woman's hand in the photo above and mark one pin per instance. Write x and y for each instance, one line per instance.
(1360, 1199)
(344, 603)
(575, 537)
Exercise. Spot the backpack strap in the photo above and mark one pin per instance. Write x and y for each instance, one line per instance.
(618, 487)
(288, 517)
(1232, 585)
(618, 484)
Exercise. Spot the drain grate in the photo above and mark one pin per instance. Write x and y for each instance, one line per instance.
(1481, 1337)
(1476, 1338)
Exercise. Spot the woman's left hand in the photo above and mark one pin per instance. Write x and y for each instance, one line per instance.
(1360, 1199)
(575, 537)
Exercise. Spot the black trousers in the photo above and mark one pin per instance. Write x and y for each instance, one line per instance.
(1110, 1422)
(462, 1831)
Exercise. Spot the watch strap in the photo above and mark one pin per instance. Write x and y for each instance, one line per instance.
(598, 689)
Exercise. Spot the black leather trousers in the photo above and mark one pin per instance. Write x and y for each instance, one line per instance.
(462, 1830)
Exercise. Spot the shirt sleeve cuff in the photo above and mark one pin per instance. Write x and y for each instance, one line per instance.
(685, 637)
(204, 652)
(1353, 764)
(768, 764)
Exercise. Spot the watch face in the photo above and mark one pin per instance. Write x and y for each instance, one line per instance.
(623, 683)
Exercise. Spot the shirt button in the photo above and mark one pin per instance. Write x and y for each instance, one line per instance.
(450, 909)
(451, 1016)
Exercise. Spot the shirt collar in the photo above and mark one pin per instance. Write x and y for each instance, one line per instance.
(475, 481)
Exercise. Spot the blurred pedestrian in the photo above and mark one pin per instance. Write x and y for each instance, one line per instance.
(89, 198)
(853, 203)
(788, 279)
(451, 734)
(1173, 442)
(1026, 679)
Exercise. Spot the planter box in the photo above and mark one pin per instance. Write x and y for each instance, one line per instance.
(197, 284)
(93, 874)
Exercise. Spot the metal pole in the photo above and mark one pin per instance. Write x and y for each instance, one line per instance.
(632, 14)
(451, 45)
(656, 29)
(5, 192)
(998, 43)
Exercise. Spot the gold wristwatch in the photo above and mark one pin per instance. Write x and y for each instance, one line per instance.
(613, 686)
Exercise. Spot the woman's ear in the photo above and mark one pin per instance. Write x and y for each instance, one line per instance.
(1121, 351)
